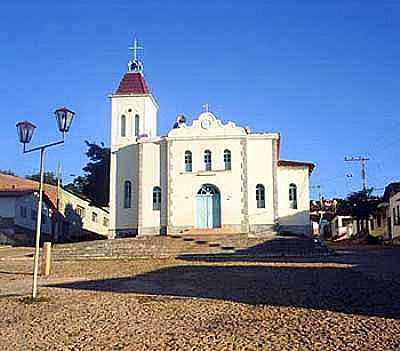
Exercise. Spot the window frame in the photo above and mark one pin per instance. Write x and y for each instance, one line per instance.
(188, 157)
(156, 198)
(207, 158)
(127, 194)
(123, 126)
(260, 196)
(136, 121)
(80, 211)
(293, 202)
(228, 160)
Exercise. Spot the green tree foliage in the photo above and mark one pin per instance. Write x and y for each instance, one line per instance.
(95, 183)
(77, 185)
(360, 204)
(49, 177)
(363, 203)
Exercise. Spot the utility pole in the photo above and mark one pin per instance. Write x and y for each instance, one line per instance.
(319, 187)
(363, 161)
(57, 226)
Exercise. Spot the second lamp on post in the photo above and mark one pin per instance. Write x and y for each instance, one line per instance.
(25, 131)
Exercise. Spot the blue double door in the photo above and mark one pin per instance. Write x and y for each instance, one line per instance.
(208, 207)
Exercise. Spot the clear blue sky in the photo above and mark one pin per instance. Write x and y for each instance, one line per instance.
(326, 74)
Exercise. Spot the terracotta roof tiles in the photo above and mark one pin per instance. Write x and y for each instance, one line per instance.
(132, 83)
(16, 185)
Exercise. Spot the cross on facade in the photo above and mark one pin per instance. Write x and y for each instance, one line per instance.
(206, 107)
(134, 48)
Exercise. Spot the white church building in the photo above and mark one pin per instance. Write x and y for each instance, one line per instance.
(206, 176)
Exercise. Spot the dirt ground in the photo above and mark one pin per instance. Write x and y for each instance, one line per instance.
(346, 302)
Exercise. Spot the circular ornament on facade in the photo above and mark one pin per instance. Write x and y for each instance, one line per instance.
(206, 124)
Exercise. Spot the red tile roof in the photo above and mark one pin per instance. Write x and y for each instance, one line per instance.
(17, 185)
(132, 83)
(288, 163)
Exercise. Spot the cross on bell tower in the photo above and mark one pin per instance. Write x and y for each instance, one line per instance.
(135, 65)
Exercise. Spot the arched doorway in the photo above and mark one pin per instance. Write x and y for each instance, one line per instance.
(208, 211)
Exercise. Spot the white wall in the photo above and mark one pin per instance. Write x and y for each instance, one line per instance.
(125, 157)
(7, 207)
(124, 166)
(300, 177)
(252, 163)
(142, 105)
(150, 178)
(151, 162)
(260, 171)
(394, 203)
(30, 202)
(185, 185)
(87, 223)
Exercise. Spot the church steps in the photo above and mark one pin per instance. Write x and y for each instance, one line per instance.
(181, 246)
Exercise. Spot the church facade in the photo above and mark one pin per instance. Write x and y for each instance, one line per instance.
(206, 176)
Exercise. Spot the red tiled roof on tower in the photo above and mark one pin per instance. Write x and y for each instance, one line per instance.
(132, 83)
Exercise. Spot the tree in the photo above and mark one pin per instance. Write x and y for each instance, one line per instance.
(7, 172)
(95, 183)
(77, 185)
(361, 205)
(49, 177)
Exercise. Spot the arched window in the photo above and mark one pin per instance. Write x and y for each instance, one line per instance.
(227, 159)
(293, 196)
(188, 161)
(260, 196)
(127, 194)
(156, 198)
(207, 160)
(123, 125)
(137, 120)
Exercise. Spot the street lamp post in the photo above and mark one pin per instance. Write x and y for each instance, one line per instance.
(25, 131)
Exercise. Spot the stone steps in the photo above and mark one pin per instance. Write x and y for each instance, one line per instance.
(190, 245)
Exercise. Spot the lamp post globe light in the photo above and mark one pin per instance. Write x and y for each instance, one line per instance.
(25, 131)
(64, 119)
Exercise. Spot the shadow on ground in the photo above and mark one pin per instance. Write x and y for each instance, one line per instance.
(336, 289)
(280, 247)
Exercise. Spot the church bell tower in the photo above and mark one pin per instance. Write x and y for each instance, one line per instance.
(134, 109)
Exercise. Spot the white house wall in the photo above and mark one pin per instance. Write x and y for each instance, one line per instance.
(300, 177)
(394, 203)
(30, 202)
(7, 207)
(99, 227)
